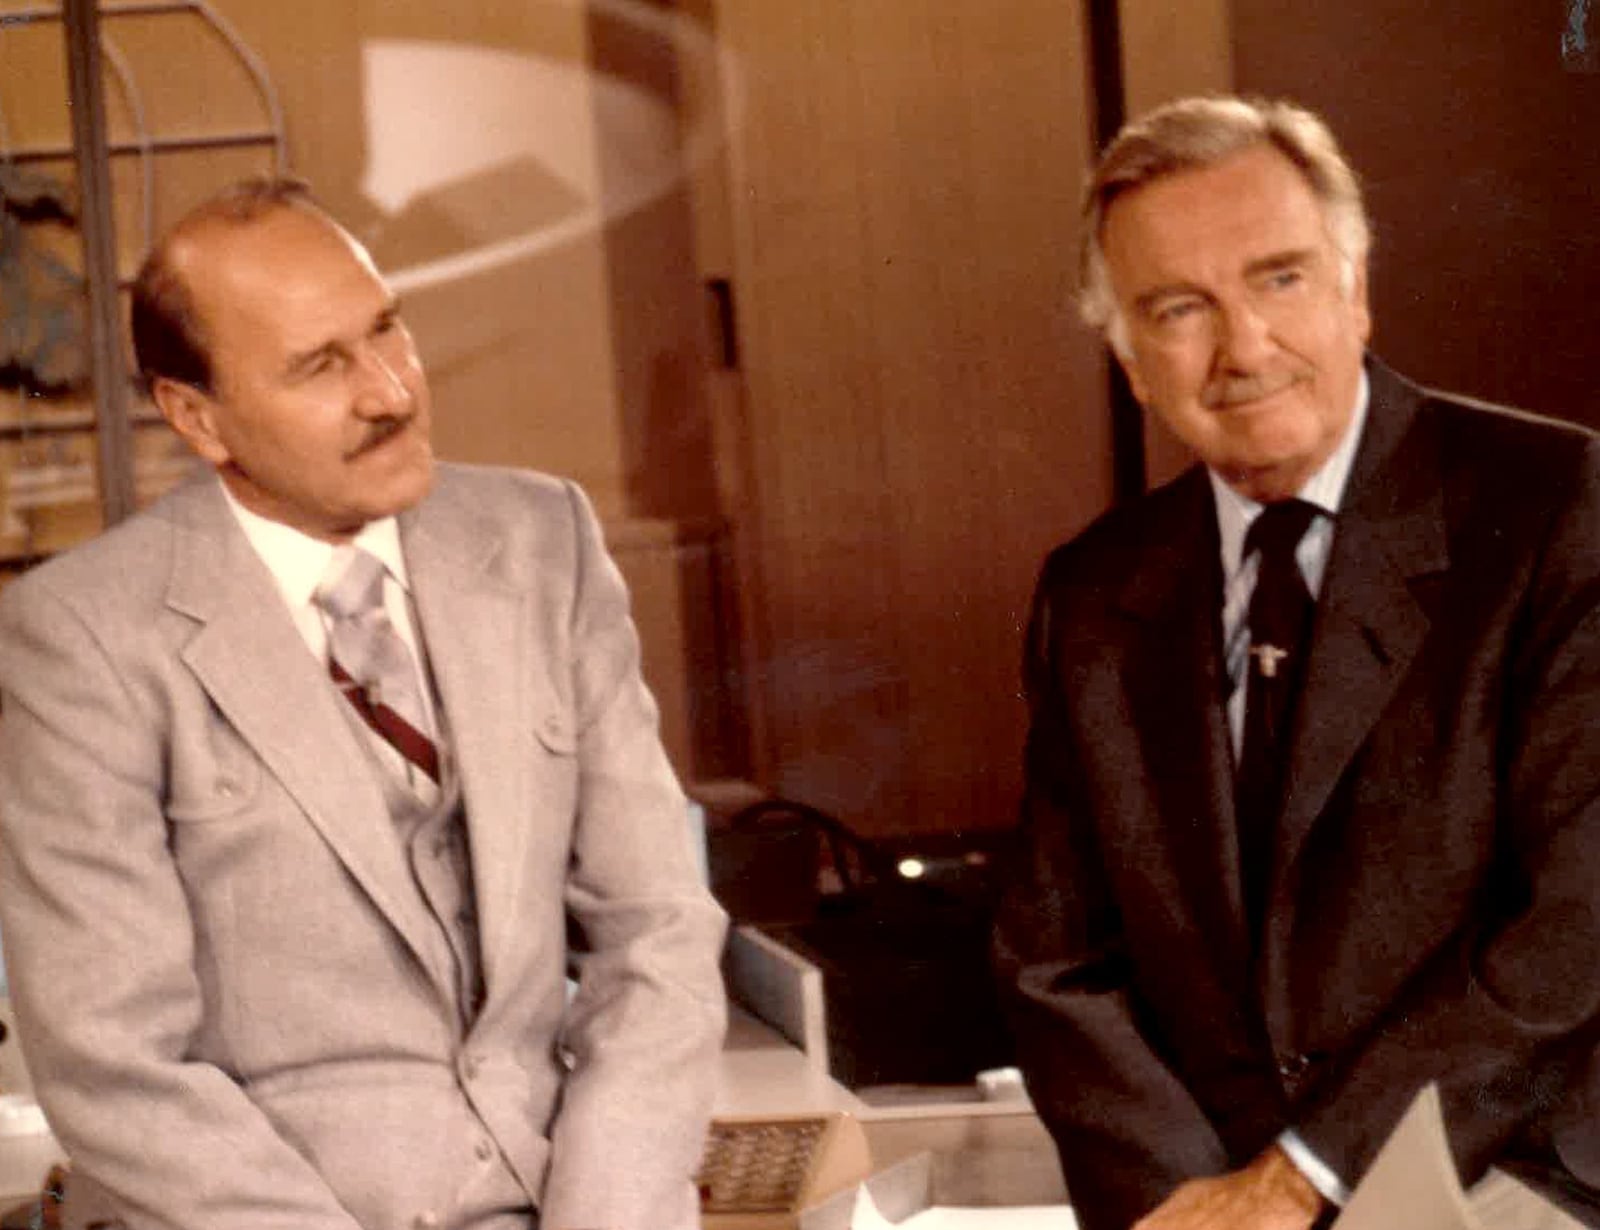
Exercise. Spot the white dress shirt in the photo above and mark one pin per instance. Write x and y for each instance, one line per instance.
(299, 562)
(1235, 512)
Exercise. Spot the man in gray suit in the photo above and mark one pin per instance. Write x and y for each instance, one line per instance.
(291, 882)
(1312, 814)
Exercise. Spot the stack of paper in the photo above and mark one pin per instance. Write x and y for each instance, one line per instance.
(1052, 1217)
(1412, 1185)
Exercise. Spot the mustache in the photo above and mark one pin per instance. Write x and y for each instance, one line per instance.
(1227, 391)
(379, 432)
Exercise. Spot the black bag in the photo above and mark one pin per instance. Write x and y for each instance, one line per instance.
(905, 961)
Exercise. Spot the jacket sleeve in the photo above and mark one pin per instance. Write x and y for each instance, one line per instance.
(101, 954)
(644, 1031)
(1127, 1130)
(1507, 1014)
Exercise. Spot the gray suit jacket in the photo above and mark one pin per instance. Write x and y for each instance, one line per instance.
(1434, 911)
(215, 958)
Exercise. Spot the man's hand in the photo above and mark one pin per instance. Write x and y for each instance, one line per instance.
(1268, 1194)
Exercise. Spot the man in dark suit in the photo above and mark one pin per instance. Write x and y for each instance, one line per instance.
(291, 874)
(1312, 814)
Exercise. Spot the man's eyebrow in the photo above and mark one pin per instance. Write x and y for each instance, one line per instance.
(307, 359)
(1172, 290)
(1292, 259)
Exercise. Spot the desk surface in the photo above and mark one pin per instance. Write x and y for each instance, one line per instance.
(984, 1153)
(761, 1074)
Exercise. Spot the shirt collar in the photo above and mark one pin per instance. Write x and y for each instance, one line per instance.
(1325, 488)
(298, 561)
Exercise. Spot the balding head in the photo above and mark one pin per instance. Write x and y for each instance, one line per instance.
(274, 347)
(169, 333)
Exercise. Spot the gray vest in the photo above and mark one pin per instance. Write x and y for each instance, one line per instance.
(434, 838)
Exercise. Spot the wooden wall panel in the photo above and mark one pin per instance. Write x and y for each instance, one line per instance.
(33, 86)
(658, 330)
(925, 416)
(1173, 50)
(1477, 142)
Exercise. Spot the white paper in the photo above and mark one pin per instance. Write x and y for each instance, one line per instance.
(21, 1116)
(1030, 1217)
(866, 1215)
(1412, 1183)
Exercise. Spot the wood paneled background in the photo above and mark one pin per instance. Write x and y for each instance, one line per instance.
(1479, 143)
(926, 416)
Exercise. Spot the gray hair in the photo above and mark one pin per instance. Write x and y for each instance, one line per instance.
(1193, 133)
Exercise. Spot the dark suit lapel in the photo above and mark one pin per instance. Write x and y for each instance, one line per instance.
(1174, 679)
(252, 662)
(1370, 624)
(474, 624)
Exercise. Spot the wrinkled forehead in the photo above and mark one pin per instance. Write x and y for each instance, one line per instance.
(1254, 199)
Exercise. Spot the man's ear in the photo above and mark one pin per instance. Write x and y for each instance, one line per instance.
(1358, 299)
(1130, 369)
(193, 415)
(1121, 347)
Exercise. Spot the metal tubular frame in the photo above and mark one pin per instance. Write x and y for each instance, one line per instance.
(114, 434)
(92, 151)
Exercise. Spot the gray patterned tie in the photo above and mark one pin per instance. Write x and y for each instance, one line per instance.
(370, 662)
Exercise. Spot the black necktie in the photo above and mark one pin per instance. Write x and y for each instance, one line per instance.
(1280, 633)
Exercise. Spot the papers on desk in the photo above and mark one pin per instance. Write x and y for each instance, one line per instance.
(1412, 1185)
(897, 1198)
(21, 1116)
(867, 1217)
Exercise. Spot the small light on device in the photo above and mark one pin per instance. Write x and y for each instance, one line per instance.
(911, 868)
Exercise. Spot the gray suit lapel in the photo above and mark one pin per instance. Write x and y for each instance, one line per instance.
(252, 662)
(1370, 623)
(475, 627)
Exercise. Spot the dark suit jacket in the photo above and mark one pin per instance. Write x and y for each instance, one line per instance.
(1434, 909)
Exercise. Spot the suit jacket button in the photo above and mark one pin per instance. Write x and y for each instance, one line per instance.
(1293, 1067)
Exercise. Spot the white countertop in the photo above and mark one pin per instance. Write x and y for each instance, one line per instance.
(763, 1075)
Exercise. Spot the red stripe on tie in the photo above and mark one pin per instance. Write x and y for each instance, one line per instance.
(400, 734)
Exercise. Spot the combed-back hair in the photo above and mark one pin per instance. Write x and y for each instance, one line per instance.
(1193, 133)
